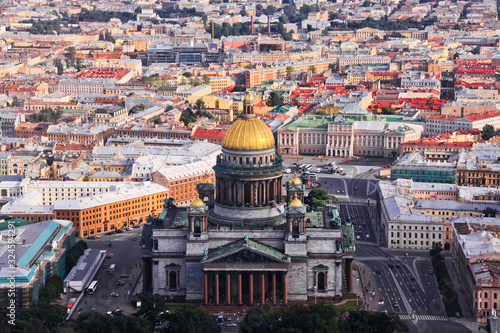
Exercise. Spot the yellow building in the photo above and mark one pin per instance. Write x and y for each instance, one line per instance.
(220, 83)
(141, 45)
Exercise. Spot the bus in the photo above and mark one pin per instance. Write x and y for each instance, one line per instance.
(300, 167)
(93, 286)
(308, 167)
(112, 268)
(220, 318)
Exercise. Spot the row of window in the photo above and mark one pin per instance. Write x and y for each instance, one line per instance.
(416, 235)
(414, 227)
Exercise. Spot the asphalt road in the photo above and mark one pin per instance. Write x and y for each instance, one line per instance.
(127, 258)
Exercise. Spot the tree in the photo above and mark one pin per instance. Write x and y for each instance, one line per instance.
(206, 79)
(70, 56)
(437, 247)
(275, 99)
(191, 319)
(333, 67)
(488, 132)
(137, 108)
(59, 66)
(289, 70)
(476, 50)
(187, 117)
(79, 64)
(187, 74)
(243, 12)
(157, 121)
(388, 110)
(490, 212)
(312, 69)
(269, 10)
(45, 115)
(318, 197)
(309, 27)
(367, 3)
(15, 102)
(368, 321)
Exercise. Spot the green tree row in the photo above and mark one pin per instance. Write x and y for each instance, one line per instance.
(101, 16)
(386, 24)
(319, 318)
(48, 115)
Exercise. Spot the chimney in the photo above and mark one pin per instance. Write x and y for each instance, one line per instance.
(251, 20)
(24, 241)
(269, 25)
(212, 29)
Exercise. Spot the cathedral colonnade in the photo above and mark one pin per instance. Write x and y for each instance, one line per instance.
(245, 287)
(249, 193)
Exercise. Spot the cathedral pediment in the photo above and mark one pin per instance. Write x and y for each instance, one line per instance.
(245, 251)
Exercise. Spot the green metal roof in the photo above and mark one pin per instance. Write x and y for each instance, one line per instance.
(38, 244)
(309, 121)
(17, 222)
(241, 244)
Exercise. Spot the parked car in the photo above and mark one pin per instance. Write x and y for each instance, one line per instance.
(367, 236)
(381, 301)
(91, 237)
(431, 271)
(413, 289)
(358, 237)
(121, 282)
(111, 244)
(124, 276)
(114, 294)
(396, 304)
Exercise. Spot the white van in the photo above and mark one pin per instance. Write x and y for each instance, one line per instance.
(288, 170)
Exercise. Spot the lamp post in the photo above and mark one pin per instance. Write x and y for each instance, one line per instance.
(357, 291)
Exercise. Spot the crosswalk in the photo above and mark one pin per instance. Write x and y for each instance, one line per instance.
(423, 317)
(366, 243)
(370, 258)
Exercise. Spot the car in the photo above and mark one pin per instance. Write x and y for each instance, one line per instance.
(338, 191)
(412, 278)
(371, 169)
(98, 279)
(386, 166)
(121, 282)
(390, 265)
(288, 170)
(114, 294)
(381, 301)
(413, 289)
(358, 237)
(105, 266)
(228, 318)
(134, 238)
(364, 224)
(360, 227)
(119, 231)
(91, 237)
(111, 244)
(431, 271)
(373, 293)
(136, 226)
(378, 271)
(342, 191)
(396, 304)
(97, 236)
(231, 325)
(124, 276)
(343, 174)
(109, 255)
(111, 233)
(367, 236)
(128, 229)
(355, 189)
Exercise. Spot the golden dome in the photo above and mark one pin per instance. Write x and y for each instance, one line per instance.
(248, 133)
(295, 202)
(248, 98)
(295, 180)
(206, 179)
(197, 202)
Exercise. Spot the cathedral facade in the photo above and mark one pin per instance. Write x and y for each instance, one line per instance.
(248, 238)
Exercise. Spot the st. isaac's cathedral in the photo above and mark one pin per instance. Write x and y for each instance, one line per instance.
(244, 240)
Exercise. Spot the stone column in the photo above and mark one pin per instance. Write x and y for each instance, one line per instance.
(260, 186)
(240, 296)
(206, 287)
(230, 194)
(251, 194)
(267, 192)
(239, 190)
(251, 288)
(216, 288)
(243, 194)
(262, 288)
(285, 291)
(256, 201)
(228, 282)
(274, 288)
(235, 194)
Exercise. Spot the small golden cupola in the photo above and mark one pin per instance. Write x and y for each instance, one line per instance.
(206, 179)
(295, 202)
(295, 180)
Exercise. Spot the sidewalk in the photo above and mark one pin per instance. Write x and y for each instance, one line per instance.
(466, 312)
(367, 282)
(135, 287)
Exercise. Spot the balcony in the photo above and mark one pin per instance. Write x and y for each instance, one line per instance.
(224, 166)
